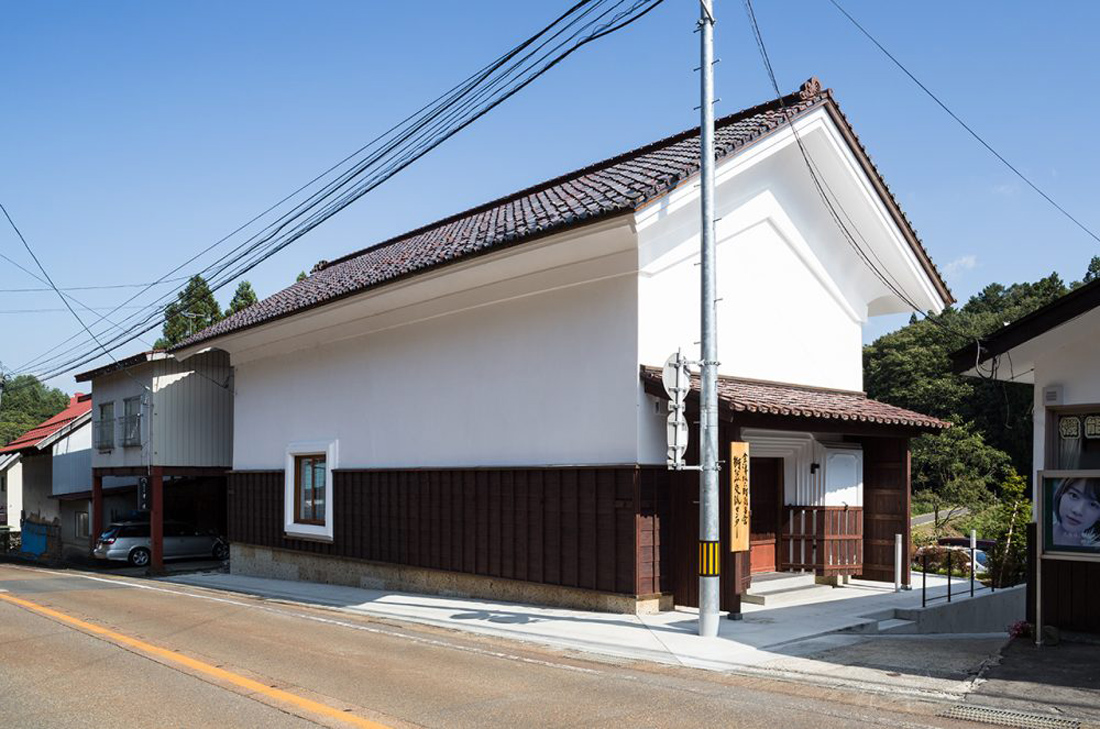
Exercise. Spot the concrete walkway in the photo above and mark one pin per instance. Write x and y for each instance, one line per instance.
(796, 639)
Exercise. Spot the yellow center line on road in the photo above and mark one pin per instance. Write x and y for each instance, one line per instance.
(195, 665)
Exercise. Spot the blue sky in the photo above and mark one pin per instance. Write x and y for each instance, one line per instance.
(134, 133)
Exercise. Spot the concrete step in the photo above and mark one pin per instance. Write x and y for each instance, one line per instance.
(802, 593)
(896, 626)
(776, 581)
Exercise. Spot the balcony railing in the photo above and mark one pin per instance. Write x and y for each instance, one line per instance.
(103, 434)
(131, 430)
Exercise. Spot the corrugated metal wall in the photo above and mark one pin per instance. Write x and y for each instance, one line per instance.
(193, 411)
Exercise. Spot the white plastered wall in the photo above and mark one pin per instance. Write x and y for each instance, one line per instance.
(545, 377)
(13, 480)
(1068, 361)
(72, 461)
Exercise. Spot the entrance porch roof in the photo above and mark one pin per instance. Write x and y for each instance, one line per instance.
(738, 397)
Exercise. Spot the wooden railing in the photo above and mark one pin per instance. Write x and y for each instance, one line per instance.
(825, 539)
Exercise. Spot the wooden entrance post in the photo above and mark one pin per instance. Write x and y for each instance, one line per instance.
(156, 518)
(96, 527)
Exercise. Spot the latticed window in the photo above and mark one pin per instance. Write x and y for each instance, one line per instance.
(104, 432)
(131, 422)
(309, 489)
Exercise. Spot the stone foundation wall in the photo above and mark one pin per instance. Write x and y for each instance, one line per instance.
(285, 564)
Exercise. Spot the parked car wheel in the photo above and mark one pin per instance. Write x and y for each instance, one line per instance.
(221, 550)
(139, 557)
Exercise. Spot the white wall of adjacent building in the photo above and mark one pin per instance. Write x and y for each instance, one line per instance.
(1064, 357)
(38, 487)
(12, 478)
(72, 461)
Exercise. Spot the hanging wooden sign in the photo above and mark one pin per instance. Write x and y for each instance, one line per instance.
(739, 497)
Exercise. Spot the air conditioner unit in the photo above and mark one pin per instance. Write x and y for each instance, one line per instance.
(1052, 396)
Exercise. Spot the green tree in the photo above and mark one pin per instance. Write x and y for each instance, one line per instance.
(911, 368)
(1093, 271)
(956, 472)
(24, 403)
(1006, 522)
(243, 298)
(302, 276)
(194, 309)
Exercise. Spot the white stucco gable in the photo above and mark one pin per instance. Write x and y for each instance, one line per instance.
(794, 290)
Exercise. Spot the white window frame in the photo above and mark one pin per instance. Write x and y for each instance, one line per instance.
(321, 532)
(86, 533)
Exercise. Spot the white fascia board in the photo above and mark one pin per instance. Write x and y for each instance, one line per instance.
(817, 122)
(872, 198)
(9, 460)
(76, 423)
(446, 290)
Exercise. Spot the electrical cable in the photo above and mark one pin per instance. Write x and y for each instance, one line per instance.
(434, 107)
(621, 20)
(447, 97)
(963, 124)
(821, 185)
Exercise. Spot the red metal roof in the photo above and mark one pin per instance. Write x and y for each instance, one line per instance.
(79, 404)
(799, 401)
(615, 186)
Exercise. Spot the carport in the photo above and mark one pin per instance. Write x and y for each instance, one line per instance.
(194, 494)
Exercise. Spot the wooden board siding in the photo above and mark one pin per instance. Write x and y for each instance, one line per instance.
(592, 528)
(886, 500)
(1071, 600)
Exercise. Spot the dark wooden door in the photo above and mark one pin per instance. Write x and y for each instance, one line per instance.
(683, 555)
(684, 505)
(886, 484)
(765, 505)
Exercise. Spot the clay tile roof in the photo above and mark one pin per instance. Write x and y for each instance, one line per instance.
(798, 401)
(78, 405)
(618, 185)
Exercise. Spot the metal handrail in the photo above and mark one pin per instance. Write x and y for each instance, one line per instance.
(131, 430)
(103, 434)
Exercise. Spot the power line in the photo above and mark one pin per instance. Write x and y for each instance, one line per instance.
(60, 295)
(55, 310)
(963, 124)
(279, 234)
(82, 305)
(92, 288)
(433, 109)
(821, 185)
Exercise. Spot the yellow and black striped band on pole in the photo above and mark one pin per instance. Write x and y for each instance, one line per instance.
(708, 558)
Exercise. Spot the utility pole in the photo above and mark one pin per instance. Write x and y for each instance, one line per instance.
(709, 540)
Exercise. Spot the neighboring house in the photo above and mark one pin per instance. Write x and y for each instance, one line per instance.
(1056, 349)
(11, 490)
(473, 407)
(163, 432)
(30, 466)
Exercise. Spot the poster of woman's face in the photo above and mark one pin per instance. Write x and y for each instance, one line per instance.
(1072, 514)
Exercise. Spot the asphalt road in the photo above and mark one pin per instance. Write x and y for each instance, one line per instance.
(90, 650)
(922, 519)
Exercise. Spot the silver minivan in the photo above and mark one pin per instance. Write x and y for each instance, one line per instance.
(130, 541)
